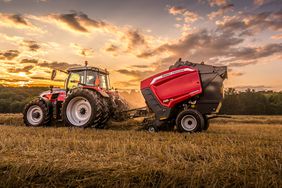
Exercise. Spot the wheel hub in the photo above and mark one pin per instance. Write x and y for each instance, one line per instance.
(35, 115)
(82, 111)
(79, 111)
(189, 123)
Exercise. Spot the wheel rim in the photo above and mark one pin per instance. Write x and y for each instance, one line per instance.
(79, 111)
(189, 123)
(152, 129)
(34, 115)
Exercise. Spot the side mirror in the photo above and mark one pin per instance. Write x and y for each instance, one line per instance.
(53, 75)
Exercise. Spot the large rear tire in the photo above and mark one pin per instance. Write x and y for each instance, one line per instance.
(105, 114)
(190, 121)
(37, 113)
(82, 108)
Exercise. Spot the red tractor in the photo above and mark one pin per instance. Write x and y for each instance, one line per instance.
(186, 95)
(86, 101)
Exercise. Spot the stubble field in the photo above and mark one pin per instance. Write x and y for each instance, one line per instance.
(243, 151)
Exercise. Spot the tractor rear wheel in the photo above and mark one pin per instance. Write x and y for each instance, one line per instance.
(190, 121)
(82, 108)
(36, 113)
(105, 115)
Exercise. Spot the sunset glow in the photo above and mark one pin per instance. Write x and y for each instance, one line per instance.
(135, 39)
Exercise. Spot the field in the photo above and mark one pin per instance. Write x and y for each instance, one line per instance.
(243, 151)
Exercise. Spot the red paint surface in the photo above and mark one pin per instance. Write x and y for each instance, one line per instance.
(174, 88)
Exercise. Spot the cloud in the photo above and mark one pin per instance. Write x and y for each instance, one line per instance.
(13, 80)
(39, 78)
(136, 74)
(249, 24)
(134, 39)
(235, 74)
(31, 61)
(198, 44)
(25, 69)
(128, 84)
(17, 21)
(31, 45)
(188, 16)
(82, 51)
(217, 2)
(219, 48)
(9, 54)
(278, 36)
(253, 53)
(45, 78)
(111, 48)
(71, 20)
(242, 63)
(78, 22)
(260, 2)
(140, 66)
(221, 11)
(57, 65)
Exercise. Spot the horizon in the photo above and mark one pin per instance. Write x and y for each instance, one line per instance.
(134, 39)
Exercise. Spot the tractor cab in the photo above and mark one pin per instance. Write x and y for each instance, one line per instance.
(87, 76)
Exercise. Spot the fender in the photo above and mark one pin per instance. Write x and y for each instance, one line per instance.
(47, 102)
(99, 90)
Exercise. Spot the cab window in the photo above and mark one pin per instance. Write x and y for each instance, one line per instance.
(103, 81)
(91, 78)
(75, 79)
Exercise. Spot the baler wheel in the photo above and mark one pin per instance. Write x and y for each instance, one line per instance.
(36, 113)
(152, 129)
(190, 121)
(82, 108)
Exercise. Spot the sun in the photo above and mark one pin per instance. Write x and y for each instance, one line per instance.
(22, 74)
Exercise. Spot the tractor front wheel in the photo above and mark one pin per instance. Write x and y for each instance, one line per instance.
(190, 121)
(36, 113)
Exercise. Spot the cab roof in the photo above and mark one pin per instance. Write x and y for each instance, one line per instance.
(96, 69)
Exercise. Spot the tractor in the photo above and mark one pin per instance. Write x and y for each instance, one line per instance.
(86, 100)
(185, 96)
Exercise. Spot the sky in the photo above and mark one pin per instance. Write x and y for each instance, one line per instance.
(135, 39)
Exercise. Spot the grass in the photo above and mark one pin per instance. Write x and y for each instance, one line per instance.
(229, 154)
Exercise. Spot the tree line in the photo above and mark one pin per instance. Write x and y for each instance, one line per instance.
(249, 102)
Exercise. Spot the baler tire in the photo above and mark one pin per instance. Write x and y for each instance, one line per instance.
(207, 123)
(91, 98)
(41, 106)
(195, 116)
